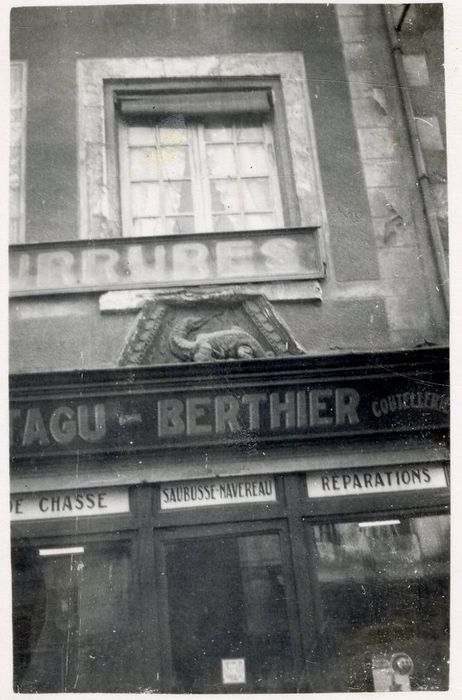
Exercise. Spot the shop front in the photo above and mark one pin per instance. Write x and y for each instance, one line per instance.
(269, 526)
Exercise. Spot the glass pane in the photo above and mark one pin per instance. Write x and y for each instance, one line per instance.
(141, 135)
(218, 131)
(253, 160)
(144, 164)
(231, 605)
(256, 193)
(177, 197)
(179, 224)
(384, 590)
(233, 222)
(145, 199)
(220, 161)
(172, 131)
(250, 129)
(230, 171)
(71, 617)
(225, 195)
(146, 227)
(174, 162)
(256, 222)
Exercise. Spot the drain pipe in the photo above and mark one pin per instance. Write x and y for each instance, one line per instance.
(422, 174)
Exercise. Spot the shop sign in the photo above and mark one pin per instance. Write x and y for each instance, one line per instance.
(68, 504)
(129, 420)
(356, 482)
(165, 261)
(217, 492)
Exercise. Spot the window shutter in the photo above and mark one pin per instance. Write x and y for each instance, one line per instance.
(200, 103)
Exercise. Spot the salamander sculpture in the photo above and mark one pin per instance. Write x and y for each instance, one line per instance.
(229, 344)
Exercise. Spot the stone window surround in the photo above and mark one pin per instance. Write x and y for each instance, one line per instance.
(17, 154)
(98, 214)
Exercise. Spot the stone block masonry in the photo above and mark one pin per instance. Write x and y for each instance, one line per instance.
(387, 165)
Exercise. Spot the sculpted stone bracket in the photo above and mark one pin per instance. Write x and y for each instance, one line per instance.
(207, 326)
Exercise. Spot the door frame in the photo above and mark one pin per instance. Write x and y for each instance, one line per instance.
(162, 536)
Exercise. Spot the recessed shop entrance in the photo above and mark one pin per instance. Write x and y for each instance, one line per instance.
(230, 618)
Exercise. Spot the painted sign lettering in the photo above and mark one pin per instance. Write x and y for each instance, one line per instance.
(153, 419)
(164, 261)
(415, 399)
(193, 494)
(354, 482)
(68, 504)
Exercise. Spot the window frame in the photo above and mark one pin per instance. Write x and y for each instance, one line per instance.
(115, 90)
(232, 529)
(199, 179)
(98, 202)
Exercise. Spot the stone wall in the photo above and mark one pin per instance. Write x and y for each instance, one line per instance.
(355, 175)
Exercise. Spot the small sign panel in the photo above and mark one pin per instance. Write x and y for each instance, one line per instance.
(355, 482)
(68, 504)
(215, 492)
(233, 671)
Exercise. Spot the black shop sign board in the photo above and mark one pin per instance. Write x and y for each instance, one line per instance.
(99, 414)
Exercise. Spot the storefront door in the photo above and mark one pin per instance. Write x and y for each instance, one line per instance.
(229, 621)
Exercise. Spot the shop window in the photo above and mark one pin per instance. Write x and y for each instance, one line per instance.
(384, 588)
(205, 162)
(71, 617)
(17, 150)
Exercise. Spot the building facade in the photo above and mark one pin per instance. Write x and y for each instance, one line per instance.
(229, 364)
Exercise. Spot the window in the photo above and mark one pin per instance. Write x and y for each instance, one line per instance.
(205, 162)
(202, 98)
(71, 616)
(384, 587)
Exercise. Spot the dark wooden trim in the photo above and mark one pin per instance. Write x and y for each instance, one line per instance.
(370, 376)
(99, 525)
(149, 659)
(210, 375)
(386, 503)
(166, 671)
(307, 593)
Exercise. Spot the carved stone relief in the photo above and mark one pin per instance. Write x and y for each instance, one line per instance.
(206, 327)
